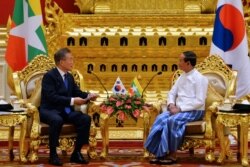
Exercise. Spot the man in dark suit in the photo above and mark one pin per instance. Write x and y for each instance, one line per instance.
(59, 94)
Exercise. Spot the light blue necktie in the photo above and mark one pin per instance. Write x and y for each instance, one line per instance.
(67, 109)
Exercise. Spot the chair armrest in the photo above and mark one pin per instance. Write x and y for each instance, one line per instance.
(34, 125)
(90, 108)
(159, 106)
(210, 120)
(214, 107)
(83, 108)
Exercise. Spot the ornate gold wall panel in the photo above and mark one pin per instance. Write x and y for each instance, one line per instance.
(133, 27)
(146, 6)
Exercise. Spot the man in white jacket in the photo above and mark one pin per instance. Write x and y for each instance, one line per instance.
(186, 103)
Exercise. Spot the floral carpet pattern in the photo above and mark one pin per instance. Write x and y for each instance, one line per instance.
(120, 155)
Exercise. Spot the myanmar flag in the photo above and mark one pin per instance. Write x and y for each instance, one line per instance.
(26, 37)
(136, 88)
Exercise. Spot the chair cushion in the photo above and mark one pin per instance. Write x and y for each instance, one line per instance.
(30, 85)
(217, 82)
(67, 129)
(212, 96)
(196, 127)
(35, 97)
(199, 127)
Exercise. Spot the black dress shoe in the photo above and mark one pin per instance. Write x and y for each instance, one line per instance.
(154, 161)
(77, 157)
(54, 160)
(168, 161)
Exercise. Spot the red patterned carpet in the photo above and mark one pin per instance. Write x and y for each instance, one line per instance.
(121, 154)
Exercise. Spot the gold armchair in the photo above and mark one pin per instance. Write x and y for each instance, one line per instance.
(28, 88)
(222, 83)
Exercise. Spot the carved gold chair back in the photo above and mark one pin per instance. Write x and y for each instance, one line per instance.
(219, 75)
(26, 79)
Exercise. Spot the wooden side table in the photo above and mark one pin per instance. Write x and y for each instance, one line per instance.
(232, 118)
(11, 119)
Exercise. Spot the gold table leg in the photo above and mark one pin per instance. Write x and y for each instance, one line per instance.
(244, 143)
(220, 135)
(92, 141)
(11, 121)
(241, 121)
(146, 118)
(105, 134)
(23, 128)
(11, 137)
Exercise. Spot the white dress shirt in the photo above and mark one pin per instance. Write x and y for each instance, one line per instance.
(189, 92)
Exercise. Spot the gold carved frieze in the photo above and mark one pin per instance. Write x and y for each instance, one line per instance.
(66, 143)
(192, 143)
(145, 6)
(12, 120)
(239, 119)
(133, 20)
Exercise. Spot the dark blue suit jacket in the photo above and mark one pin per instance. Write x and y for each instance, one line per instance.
(54, 95)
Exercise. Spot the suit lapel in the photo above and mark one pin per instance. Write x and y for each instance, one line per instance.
(59, 78)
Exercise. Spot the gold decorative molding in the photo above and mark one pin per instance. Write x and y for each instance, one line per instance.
(208, 6)
(12, 120)
(134, 20)
(57, 24)
(145, 7)
(122, 133)
(53, 15)
(85, 6)
(102, 6)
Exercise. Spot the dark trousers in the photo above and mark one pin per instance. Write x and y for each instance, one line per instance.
(56, 119)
